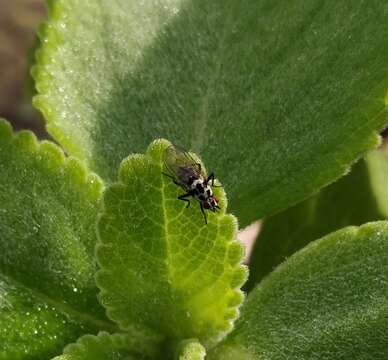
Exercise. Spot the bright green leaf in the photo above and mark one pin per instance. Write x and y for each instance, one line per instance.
(161, 266)
(328, 301)
(278, 97)
(354, 200)
(113, 347)
(48, 209)
(191, 350)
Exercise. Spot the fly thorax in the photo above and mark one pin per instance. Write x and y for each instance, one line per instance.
(201, 190)
(208, 191)
(196, 184)
(198, 188)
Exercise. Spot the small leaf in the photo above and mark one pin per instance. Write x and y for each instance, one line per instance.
(113, 347)
(328, 301)
(191, 350)
(278, 98)
(48, 209)
(353, 200)
(161, 266)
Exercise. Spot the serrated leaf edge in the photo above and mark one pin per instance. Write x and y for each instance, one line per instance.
(238, 271)
(49, 151)
(80, 347)
(232, 347)
(54, 154)
(49, 33)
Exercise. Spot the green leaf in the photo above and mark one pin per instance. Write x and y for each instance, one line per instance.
(278, 98)
(32, 326)
(191, 350)
(377, 162)
(354, 200)
(113, 347)
(48, 209)
(328, 301)
(161, 266)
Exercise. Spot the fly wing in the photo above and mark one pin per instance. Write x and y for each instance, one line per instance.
(182, 164)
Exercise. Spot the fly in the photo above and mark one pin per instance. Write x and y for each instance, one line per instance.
(188, 173)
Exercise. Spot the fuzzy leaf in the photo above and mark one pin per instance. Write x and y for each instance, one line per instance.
(34, 327)
(48, 209)
(354, 200)
(278, 97)
(328, 301)
(161, 266)
(113, 347)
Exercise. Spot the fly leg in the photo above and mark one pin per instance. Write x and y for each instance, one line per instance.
(203, 213)
(211, 178)
(184, 198)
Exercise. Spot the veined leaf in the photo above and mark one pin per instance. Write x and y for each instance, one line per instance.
(113, 347)
(354, 200)
(278, 97)
(328, 301)
(161, 266)
(48, 209)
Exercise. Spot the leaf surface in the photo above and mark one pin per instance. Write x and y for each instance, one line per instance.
(48, 210)
(353, 200)
(327, 301)
(278, 98)
(161, 266)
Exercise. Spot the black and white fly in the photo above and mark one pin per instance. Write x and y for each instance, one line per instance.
(188, 173)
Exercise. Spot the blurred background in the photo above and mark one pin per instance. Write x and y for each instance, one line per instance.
(19, 20)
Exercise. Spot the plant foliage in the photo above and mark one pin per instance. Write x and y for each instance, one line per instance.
(287, 94)
(278, 99)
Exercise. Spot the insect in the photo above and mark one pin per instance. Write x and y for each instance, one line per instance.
(188, 173)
